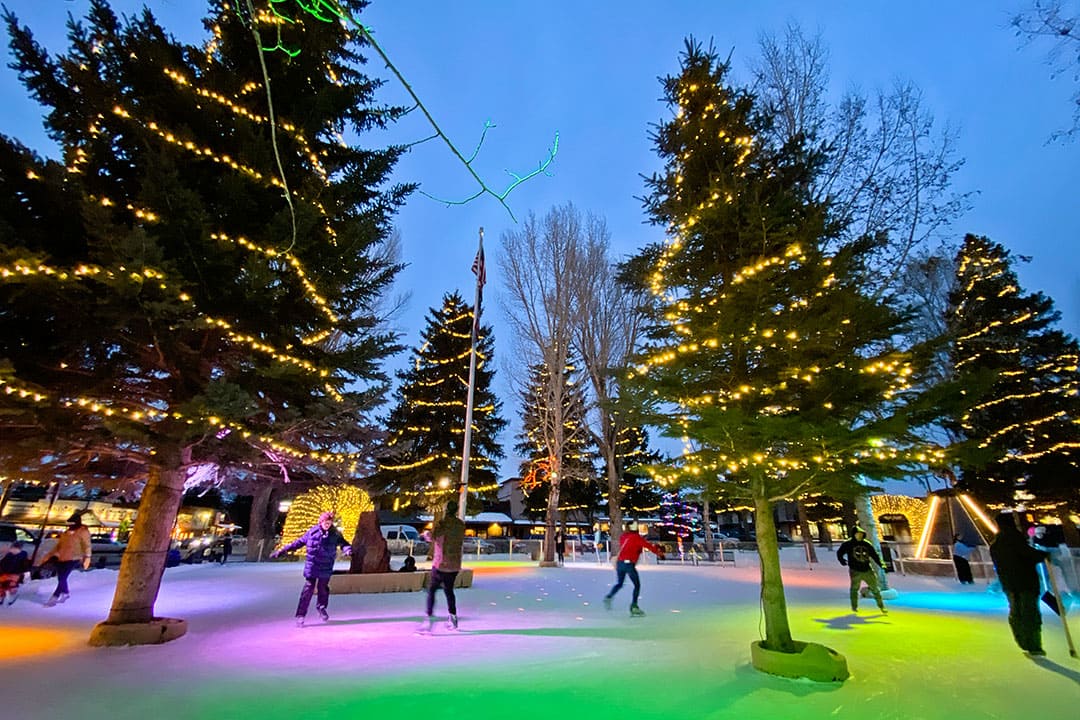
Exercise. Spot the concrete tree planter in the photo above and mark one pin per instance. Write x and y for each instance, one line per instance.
(811, 661)
(156, 632)
(349, 583)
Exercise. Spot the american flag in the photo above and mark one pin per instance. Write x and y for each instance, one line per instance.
(481, 277)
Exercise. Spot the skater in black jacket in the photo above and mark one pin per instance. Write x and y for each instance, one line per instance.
(861, 559)
(1017, 565)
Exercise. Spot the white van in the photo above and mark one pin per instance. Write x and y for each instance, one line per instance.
(401, 538)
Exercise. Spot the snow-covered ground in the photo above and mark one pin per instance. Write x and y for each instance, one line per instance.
(534, 643)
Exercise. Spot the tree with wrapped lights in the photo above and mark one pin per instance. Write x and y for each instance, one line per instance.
(426, 425)
(1021, 423)
(766, 354)
(576, 461)
(191, 288)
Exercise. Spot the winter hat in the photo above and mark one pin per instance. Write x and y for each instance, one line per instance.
(856, 531)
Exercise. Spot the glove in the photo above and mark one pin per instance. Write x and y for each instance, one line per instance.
(347, 551)
(844, 563)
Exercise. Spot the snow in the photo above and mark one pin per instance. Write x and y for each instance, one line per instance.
(535, 643)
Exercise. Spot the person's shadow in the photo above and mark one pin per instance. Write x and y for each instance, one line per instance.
(850, 620)
(1048, 664)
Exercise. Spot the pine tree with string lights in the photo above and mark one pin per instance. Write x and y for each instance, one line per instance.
(579, 490)
(765, 354)
(1022, 423)
(422, 463)
(194, 287)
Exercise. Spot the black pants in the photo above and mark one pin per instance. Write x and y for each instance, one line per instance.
(1025, 620)
(445, 580)
(63, 570)
(963, 570)
(310, 583)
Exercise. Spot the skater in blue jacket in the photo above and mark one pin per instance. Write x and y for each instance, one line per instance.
(321, 542)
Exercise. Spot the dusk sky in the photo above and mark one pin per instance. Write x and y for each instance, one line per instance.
(588, 71)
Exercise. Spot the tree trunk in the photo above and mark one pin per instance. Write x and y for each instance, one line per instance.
(144, 560)
(615, 516)
(5, 495)
(1072, 535)
(370, 553)
(551, 517)
(263, 520)
(710, 544)
(804, 528)
(777, 630)
(825, 535)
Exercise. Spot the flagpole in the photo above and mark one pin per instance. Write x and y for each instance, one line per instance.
(478, 267)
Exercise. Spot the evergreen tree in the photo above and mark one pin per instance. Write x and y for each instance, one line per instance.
(193, 287)
(766, 355)
(578, 487)
(427, 424)
(1022, 421)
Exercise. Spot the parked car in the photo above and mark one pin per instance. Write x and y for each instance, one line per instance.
(475, 545)
(10, 532)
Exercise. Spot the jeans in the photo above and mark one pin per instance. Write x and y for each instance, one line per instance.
(63, 570)
(445, 580)
(1025, 619)
(625, 569)
(310, 584)
(870, 577)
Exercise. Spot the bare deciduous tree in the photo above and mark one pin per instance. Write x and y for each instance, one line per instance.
(604, 340)
(1051, 21)
(888, 169)
(543, 310)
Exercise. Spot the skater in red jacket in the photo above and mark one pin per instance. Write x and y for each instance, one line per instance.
(630, 546)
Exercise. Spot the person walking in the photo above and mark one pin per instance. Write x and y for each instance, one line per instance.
(862, 562)
(1016, 563)
(71, 547)
(631, 545)
(226, 548)
(560, 546)
(961, 557)
(447, 536)
(320, 542)
(13, 565)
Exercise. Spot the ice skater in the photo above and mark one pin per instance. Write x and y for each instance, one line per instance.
(961, 557)
(71, 547)
(862, 562)
(321, 542)
(1017, 565)
(631, 544)
(13, 566)
(448, 537)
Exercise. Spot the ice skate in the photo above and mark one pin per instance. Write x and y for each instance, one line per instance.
(323, 614)
(635, 611)
(64, 597)
(51, 601)
(426, 626)
(607, 603)
(451, 622)
(299, 621)
(11, 596)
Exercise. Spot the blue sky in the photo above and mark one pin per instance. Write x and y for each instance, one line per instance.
(588, 70)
